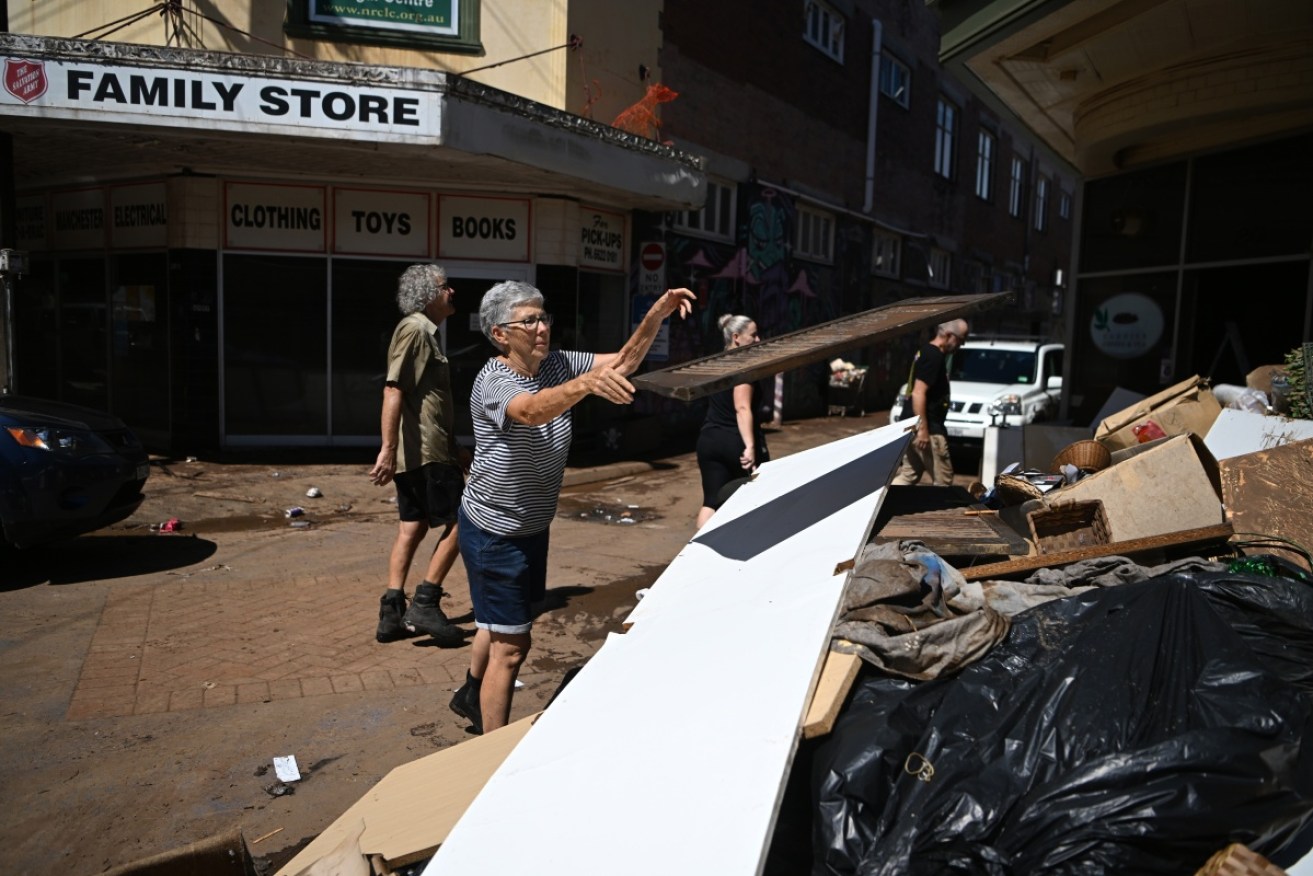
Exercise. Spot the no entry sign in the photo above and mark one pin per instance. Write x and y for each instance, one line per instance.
(653, 256)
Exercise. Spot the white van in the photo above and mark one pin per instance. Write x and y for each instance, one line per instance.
(998, 381)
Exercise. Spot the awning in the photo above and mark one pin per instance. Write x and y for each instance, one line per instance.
(80, 110)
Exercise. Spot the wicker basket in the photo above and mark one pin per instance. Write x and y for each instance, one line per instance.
(1088, 456)
(1013, 490)
(1068, 526)
(1239, 860)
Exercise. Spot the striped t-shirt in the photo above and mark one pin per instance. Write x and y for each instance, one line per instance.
(515, 479)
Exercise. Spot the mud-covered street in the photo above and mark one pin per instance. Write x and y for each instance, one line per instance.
(150, 678)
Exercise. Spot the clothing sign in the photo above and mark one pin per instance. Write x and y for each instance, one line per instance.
(371, 222)
(601, 239)
(274, 217)
(483, 228)
(30, 222)
(422, 16)
(87, 91)
(77, 219)
(137, 216)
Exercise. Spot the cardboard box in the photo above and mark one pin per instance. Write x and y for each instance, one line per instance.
(1187, 407)
(1169, 486)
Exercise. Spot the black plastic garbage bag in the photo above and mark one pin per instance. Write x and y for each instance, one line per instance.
(1133, 729)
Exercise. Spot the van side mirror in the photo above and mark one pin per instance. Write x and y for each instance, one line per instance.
(1054, 383)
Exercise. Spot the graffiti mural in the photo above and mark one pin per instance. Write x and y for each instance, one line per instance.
(756, 275)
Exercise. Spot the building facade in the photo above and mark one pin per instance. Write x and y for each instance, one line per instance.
(216, 201)
(1191, 124)
(215, 207)
(846, 170)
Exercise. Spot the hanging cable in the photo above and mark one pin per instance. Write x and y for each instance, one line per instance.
(173, 8)
(575, 42)
(250, 36)
(121, 22)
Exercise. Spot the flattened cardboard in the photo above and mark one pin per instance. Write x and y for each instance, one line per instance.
(408, 814)
(1170, 486)
(1269, 492)
(1187, 407)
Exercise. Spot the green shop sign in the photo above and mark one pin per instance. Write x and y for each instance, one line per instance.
(433, 17)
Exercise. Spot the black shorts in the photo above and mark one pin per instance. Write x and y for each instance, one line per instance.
(718, 461)
(430, 493)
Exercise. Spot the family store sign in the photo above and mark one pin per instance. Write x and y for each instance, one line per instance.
(125, 94)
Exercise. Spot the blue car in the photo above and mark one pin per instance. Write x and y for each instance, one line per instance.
(64, 470)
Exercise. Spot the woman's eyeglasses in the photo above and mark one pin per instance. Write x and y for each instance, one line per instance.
(529, 322)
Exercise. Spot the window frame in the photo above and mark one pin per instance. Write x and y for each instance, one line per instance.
(891, 63)
(1016, 187)
(942, 259)
(893, 252)
(985, 164)
(1064, 204)
(1042, 203)
(810, 222)
(684, 222)
(945, 137)
(816, 15)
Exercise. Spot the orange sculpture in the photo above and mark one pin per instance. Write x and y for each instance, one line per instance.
(640, 118)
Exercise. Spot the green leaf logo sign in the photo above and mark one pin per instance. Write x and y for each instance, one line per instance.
(1101, 319)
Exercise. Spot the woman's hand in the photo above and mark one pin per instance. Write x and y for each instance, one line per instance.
(675, 300)
(748, 459)
(609, 384)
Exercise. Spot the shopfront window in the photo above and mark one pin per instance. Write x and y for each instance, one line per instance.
(83, 333)
(364, 314)
(139, 333)
(275, 346)
(1252, 203)
(1133, 221)
(36, 347)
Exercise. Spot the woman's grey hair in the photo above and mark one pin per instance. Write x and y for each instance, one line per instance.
(499, 305)
(731, 325)
(418, 286)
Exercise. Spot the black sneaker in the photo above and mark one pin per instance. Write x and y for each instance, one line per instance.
(391, 608)
(430, 619)
(465, 703)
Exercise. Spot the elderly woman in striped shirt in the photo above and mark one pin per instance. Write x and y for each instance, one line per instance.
(521, 402)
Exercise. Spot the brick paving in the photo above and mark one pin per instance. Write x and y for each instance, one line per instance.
(201, 645)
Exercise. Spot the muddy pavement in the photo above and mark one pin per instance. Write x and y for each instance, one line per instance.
(149, 678)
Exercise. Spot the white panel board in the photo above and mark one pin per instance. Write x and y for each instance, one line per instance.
(1236, 432)
(668, 753)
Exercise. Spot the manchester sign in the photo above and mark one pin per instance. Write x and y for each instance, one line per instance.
(175, 97)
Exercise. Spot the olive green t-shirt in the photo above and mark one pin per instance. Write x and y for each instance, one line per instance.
(418, 367)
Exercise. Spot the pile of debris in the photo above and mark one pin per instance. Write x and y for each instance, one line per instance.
(1033, 699)
(1098, 662)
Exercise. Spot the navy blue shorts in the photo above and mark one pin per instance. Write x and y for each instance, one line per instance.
(508, 576)
(430, 493)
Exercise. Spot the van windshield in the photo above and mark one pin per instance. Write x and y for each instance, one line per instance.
(990, 365)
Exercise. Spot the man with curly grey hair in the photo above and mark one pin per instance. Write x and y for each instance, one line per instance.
(420, 456)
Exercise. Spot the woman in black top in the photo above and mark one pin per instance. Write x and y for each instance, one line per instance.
(731, 445)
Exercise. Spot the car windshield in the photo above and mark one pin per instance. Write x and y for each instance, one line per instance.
(992, 365)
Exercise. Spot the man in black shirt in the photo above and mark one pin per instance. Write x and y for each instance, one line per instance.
(929, 391)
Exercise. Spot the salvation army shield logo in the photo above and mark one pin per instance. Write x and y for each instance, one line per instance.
(25, 80)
